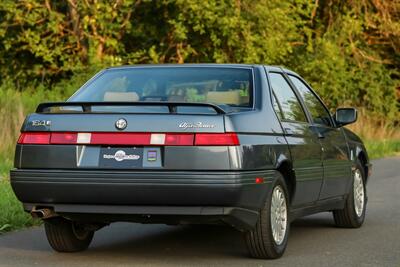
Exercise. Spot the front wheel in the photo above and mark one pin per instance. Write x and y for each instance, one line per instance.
(353, 214)
(268, 239)
(67, 236)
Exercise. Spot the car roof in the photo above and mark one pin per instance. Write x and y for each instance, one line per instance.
(216, 65)
(185, 65)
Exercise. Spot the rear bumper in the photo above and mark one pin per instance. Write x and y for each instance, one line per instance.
(229, 196)
(241, 219)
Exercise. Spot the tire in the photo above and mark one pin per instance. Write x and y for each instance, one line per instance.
(260, 241)
(67, 236)
(351, 216)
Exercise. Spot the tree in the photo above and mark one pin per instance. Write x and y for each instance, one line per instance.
(348, 50)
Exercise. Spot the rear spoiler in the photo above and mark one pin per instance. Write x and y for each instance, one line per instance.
(87, 106)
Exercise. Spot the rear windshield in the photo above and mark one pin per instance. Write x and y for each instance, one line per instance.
(221, 86)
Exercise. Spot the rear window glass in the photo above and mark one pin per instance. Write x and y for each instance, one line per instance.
(221, 86)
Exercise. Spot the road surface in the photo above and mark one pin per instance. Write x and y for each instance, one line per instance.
(313, 241)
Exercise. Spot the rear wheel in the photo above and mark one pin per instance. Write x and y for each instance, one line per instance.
(268, 239)
(67, 236)
(353, 214)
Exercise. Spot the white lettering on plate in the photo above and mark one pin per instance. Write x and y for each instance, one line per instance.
(120, 155)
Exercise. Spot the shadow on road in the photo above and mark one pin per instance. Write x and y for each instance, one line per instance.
(147, 241)
(151, 240)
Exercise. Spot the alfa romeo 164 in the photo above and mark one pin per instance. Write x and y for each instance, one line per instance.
(249, 146)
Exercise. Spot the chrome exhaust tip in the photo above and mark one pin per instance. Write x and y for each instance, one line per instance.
(42, 213)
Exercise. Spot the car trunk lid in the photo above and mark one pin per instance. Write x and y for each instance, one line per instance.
(97, 139)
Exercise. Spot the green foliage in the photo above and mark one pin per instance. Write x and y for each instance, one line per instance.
(382, 148)
(217, 31)
(343, 83)
(193, 95)
(12, 217)
(14, 105)
(334, 63)
(347, 50)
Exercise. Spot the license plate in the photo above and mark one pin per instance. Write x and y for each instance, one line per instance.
(121, 157)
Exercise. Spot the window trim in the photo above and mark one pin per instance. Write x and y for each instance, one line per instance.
(252, 98)
(296, 93)
(333, 125)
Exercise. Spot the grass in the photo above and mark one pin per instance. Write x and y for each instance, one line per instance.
(12, 217)
(382, 148)
(381, 138)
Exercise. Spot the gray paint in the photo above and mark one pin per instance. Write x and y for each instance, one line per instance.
(136, 122)
(195, 158)
(264, 144)
(87, 156)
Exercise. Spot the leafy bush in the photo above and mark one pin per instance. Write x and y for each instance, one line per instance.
(347, 49)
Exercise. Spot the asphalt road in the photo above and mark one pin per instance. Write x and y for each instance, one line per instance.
(313, 241)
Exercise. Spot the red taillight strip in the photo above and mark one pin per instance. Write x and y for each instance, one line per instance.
(63, 138)
(120, 139)
(34, 138)
(216, 139)
(140, 139)
(172, 139)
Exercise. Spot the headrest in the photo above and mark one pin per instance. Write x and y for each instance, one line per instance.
(121, 97)
(176, 98)
(227, 97)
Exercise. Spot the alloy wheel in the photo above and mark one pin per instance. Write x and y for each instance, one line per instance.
(278, 215)
(358, 192)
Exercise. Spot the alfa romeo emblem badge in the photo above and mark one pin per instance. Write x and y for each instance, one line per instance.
(121, 124)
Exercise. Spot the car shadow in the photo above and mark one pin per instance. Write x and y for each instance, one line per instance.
(210, 240)
(128, 241)
(159, 240)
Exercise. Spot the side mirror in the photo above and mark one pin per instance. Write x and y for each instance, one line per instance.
(345, 116)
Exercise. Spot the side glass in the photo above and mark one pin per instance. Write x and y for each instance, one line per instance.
(318, 111)
(276, 106)
(290, 107)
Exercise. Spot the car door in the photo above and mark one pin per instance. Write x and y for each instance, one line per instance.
(304, 145)
(335, 155)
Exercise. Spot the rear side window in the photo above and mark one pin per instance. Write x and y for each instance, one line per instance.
(287, 106)
(277, 107)
(318, 111)
(226, 86)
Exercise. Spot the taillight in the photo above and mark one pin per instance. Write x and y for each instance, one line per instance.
(38, 138)
(63, 138)
(179, 139)
(216, 139)
(136, 139)
(120, 139)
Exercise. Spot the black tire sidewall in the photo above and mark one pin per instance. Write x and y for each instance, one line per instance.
(350, 202)
(278, 248)
(62, 237)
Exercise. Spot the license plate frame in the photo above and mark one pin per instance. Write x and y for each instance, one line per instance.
(121, 157)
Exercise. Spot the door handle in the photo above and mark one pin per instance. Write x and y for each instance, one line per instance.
(289, 131)
(317, 131)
